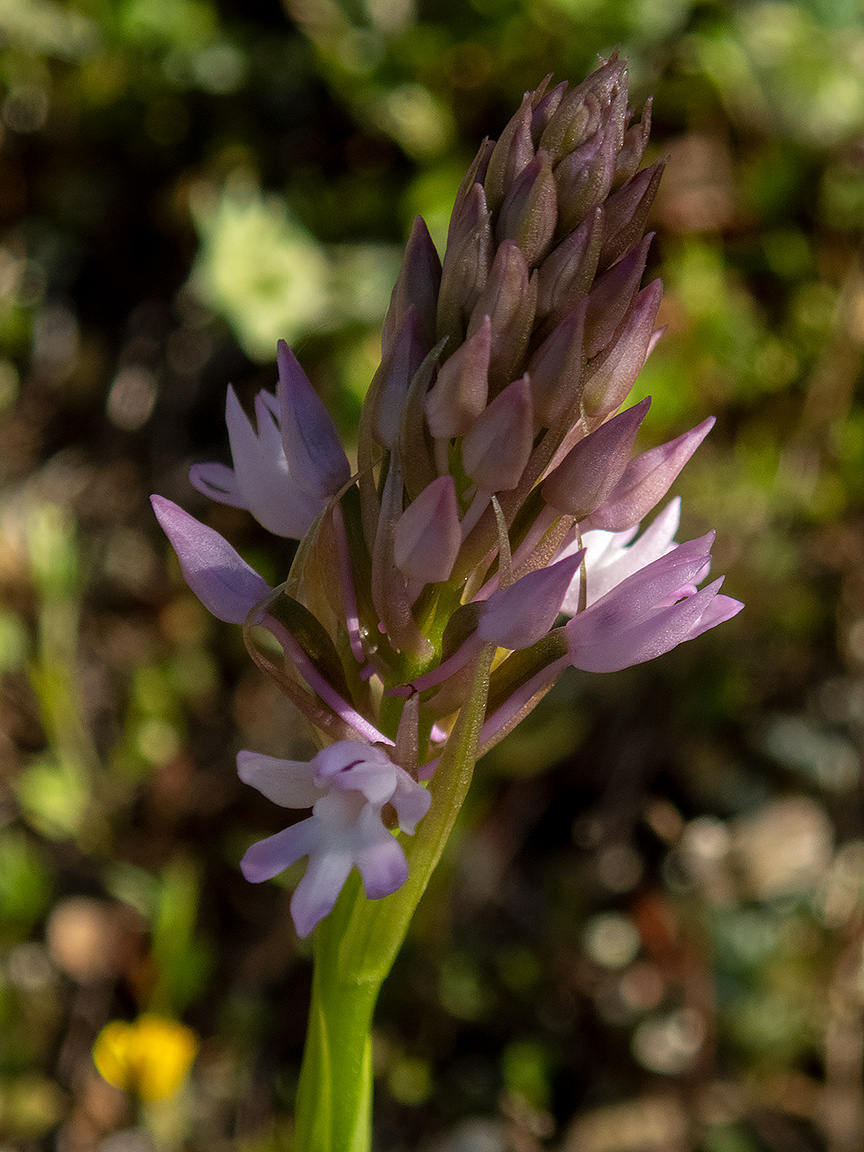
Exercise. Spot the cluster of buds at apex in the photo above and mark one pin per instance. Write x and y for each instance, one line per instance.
(495, 491)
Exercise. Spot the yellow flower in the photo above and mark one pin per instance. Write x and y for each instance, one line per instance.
(149, 1057)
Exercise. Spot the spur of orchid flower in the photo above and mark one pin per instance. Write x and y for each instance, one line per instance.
(495, 492)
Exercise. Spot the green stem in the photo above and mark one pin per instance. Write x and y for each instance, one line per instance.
(355, 947)
(334, 1100)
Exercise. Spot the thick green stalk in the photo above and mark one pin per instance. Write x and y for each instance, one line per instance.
(334, 1101)
(355, 947)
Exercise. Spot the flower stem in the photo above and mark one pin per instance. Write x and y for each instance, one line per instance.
(334, 1100)
(355, 947)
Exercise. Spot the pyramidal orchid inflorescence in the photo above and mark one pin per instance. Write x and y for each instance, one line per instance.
(495, 491)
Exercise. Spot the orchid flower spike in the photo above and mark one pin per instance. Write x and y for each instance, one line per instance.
(498, 485)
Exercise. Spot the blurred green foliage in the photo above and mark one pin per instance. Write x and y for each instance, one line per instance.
(648, 933)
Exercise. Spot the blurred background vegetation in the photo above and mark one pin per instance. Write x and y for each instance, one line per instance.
(648, 935)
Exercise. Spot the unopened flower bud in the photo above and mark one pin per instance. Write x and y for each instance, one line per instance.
(496, 450)
(219, 577)
(626, 212)
(427, 535)
(584, 108)
(476, 174)
(315, 454)
(612, 374)
(417, 283)
(392, 380)
(519, 616)
(565, 276)
(545, 109)
(612, 295)
(633, 147)
(555, 370)
(459, 394)
(591, 469)
(583, 179)
(646, 480)
(513, 151)
(466, 265)
(530, 210)
(509, 301)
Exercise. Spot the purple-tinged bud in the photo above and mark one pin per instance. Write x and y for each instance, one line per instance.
(530, 210)
(567, 273)
(626, 212)
(219, 577)
(555, 370)
(513, 151)
(417, 283)
(594, 465)
(414, 446)
(427, 535)
(633, 147)
(496, 450)
(476, 174)
(390, 593)
(646, 480)
(584, 108)
(392, 379)
(466, 265)
(544, 110)
(611, 297)
(573, 121)
(519, 616)
(508, 300)
(314, 452)
(460, 393)
(612, 374)
(583, 179)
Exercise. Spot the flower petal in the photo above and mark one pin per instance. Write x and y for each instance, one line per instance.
(411, 801)
(610, 558)
(315, 455)
(269, 492)
(382, 865)
(218, 482)
(269, 857)
(609, 649)
(319, 889)
(290, 783)
(350, 765)
(219, 577)
(721, 609)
